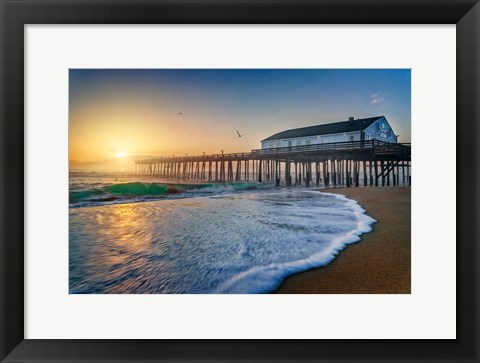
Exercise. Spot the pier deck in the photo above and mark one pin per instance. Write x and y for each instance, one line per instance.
(371, 162)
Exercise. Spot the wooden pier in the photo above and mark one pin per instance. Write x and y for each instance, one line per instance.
(352, 163)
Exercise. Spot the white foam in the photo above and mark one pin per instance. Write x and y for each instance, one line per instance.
(244, 242)
(269, 277)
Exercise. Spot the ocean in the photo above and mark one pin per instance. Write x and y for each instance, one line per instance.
(140, 235)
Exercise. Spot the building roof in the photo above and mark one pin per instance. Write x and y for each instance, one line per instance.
(325, 129)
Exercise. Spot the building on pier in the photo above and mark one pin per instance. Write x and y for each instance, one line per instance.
(372, 128)
(349, 153)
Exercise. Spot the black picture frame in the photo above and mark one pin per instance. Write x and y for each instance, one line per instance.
(15, 14)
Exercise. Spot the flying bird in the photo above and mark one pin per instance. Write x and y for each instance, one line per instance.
(179, 114)
(240, 135)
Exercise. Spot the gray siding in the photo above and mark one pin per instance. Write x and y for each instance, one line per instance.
(312, 140)
(380, 130)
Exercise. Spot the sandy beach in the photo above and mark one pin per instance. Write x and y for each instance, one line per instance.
(380, 263)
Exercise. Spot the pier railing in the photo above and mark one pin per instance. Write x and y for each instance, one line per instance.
(377, 147)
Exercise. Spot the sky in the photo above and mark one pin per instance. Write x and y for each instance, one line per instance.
(119, 115)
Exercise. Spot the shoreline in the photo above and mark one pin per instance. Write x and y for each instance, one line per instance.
(380, 263)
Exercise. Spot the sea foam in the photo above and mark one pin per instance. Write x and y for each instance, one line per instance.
(243, 242)
(270, 277)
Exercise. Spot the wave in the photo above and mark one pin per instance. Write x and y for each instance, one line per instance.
(268, 278)
(137, 191)
(238, 243)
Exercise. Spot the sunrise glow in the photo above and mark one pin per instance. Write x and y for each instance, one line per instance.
(118, 116)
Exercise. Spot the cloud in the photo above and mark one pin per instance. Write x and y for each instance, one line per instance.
(376, 98)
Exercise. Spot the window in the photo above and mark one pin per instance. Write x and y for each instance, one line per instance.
(289, 144)
(270, 145)
(352, 138)
(383, 125)
(299, 142)
(309, 142)
(278, 143)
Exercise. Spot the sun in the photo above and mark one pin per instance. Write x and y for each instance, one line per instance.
(121, 154)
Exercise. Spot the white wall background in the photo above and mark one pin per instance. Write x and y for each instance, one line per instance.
(429, 312)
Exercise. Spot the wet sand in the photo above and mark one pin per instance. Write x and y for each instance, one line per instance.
(380, 263)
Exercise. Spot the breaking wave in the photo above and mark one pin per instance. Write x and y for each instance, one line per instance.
(137, 191)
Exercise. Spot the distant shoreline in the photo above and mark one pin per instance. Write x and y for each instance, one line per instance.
(380, 263)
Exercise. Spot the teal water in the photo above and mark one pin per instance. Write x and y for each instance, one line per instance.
(89, 188)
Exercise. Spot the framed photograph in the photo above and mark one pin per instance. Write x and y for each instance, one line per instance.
(196, 216)
(232, 181)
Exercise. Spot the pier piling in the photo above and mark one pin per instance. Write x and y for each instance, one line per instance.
(333, 164)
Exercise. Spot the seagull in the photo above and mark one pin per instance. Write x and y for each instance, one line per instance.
(240, 135)
(179, 114)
